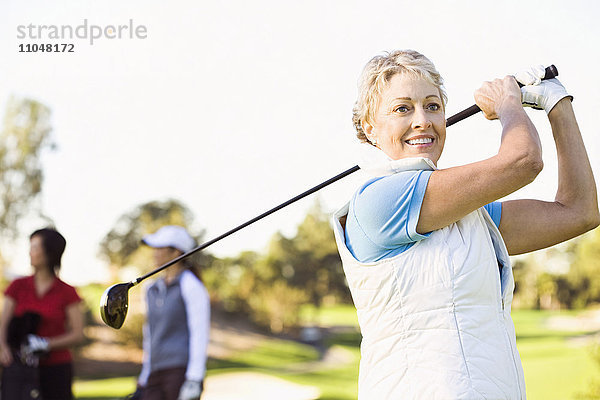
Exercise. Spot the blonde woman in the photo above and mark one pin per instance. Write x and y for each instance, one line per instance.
(426, 250)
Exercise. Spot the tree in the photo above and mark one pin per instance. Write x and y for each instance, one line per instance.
(585, 269)
(560, 277)
(232, 280)
(250, 285)
(271, 288)
(310, 259)
(593, 390)
(25, 133)
(121, 245)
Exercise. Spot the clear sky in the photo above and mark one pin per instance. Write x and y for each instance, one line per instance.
(235, 106)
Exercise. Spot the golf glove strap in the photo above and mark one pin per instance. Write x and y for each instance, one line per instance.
(544, 95)
(36, 345)
(537, 93)
(190, 390)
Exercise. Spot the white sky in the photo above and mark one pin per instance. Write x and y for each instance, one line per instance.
(233, 107)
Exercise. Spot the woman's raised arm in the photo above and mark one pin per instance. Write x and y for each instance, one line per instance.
(455, 192)
(529, 225)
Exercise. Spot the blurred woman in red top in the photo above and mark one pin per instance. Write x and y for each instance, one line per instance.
(59, 325)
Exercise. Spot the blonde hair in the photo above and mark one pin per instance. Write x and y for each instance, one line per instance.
(377, 74)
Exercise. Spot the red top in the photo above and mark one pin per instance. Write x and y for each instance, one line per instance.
(52, 307)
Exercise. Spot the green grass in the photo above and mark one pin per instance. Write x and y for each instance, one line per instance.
(555, 368)
(270, 356)
(334, 384)
(339, 315)
(553, 371)
(104, 389)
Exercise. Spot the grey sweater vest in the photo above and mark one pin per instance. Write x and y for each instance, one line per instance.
(167, 321)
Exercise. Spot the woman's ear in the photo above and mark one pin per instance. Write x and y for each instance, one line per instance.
(368, 129)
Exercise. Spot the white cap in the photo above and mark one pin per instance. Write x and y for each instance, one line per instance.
(170, 236)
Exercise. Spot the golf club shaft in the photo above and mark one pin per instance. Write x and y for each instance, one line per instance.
(253, 220)
(551, 72)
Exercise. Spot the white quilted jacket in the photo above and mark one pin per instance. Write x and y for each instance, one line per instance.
(435, 319)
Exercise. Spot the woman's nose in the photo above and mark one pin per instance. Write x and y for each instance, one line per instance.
(420, 120)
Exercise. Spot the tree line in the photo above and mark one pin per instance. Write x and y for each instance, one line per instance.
(24, 135)
(271, 286)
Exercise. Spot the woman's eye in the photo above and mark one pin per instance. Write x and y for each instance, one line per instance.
(401, 109)
(433, 107)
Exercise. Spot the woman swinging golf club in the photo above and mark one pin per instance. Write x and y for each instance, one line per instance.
(426, 250)
(115, 299)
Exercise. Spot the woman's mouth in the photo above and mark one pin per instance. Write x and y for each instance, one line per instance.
(419, 141)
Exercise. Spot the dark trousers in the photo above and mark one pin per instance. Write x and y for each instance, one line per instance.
(164, 384)
(20, 382)
(49, 382)
(56, 382)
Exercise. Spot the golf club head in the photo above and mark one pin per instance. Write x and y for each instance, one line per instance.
(114, 304)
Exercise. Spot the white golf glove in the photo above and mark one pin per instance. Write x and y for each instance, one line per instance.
(36, 345)
(540, 94)
(32, 349)
(531, 76)
(190, 390)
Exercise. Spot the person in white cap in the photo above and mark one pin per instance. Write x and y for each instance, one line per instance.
(176, 331)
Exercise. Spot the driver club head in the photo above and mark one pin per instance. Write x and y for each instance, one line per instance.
(114, 304)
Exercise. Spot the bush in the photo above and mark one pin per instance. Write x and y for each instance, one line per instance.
(131, 332)
(277, 307)
(593, 391)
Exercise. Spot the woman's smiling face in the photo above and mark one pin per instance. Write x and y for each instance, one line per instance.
(410, 119)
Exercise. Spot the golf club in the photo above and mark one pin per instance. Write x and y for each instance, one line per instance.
(115, 299)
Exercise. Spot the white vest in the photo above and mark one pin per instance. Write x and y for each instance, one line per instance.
(435, 319)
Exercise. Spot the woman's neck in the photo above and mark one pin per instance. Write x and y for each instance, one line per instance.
(43, 280)
(43, 275)
(173, 272)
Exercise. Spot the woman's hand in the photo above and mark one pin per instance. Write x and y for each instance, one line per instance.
(7, 313)
(5, 355)
(545, 95)
(498, 96)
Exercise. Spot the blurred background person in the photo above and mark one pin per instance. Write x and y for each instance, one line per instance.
(40, 320)
(177, 325)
